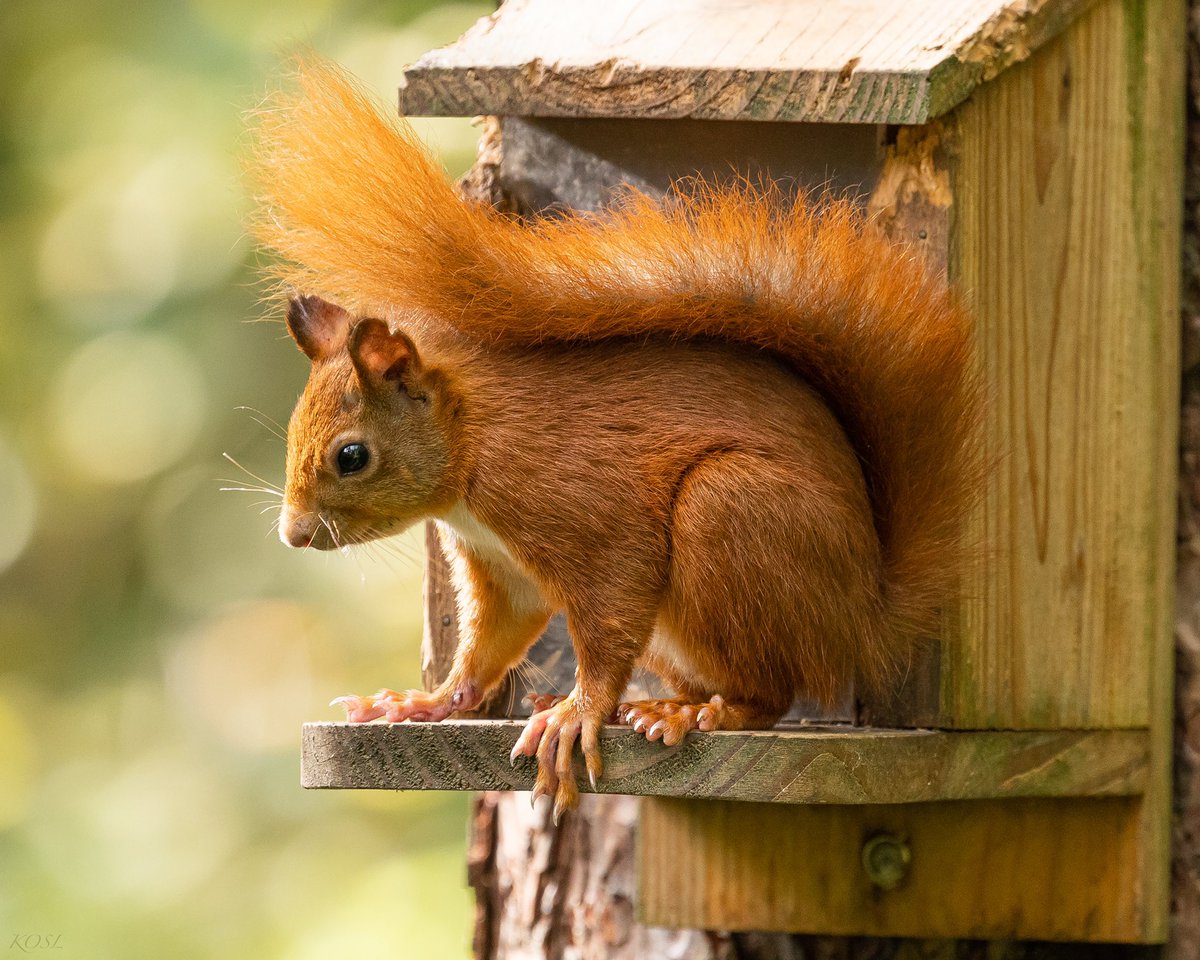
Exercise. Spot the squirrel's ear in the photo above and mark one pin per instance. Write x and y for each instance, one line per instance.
(317, 326)
(379, 354)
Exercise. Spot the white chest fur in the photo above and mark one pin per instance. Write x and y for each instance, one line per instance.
(469, 534)
(476, 536)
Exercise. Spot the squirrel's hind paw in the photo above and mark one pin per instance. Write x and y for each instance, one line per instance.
(670, 720)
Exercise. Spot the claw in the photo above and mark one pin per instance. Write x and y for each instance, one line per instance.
(670, 720)
(589, 741)
(531, 736)
(358, 709)
(565, 799)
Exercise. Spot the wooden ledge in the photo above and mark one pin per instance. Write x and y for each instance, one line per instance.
(850, 765)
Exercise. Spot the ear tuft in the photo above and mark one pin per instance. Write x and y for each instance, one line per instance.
(381, 355)
(318, 326)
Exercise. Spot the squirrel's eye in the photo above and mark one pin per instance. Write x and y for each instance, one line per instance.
(352, 458)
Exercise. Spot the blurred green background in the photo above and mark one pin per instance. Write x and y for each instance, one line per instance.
(159, 648)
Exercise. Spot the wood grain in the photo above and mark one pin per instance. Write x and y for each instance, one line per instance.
(877, 61)
(1157, 34)
(988, 869)
(440, 637)
(1079, 341)
(850, 766)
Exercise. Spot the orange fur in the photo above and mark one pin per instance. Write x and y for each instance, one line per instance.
(615, 413)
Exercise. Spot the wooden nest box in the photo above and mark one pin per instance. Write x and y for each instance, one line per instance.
(1018, 785)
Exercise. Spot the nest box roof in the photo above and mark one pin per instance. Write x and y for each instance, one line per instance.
(856, 61)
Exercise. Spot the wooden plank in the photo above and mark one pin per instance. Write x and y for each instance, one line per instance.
(1064, 622)
(1157, 34)
(440, 636)
(987, 869)
(876, 61)
(849, 766)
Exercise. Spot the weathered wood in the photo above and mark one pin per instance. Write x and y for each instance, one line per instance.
(849, 766)
(1185, 886)
(549, 163)
(911, 203)
(878, 61)
(440, 636)
(1065, 184)
(1157, 31)
(996, 869)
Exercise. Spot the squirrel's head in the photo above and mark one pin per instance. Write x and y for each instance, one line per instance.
(366, 456)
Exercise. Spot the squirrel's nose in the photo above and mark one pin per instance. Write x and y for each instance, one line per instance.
(296, 529)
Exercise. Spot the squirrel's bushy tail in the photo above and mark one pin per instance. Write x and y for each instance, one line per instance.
(360, 212)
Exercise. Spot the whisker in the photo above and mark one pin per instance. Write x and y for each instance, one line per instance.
(343, 546)
(398, 548)
(255, 476)
(274, 493)
(382, 551)
(538, 678)
(325, 524)
(371, 551)
(268, 423)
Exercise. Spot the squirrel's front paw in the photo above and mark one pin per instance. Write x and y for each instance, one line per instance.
(550, 735)
(410, 705)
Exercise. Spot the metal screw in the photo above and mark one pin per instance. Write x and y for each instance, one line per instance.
(446, 620)
(886, 857)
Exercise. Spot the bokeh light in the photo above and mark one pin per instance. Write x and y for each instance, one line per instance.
(246, 673)
(159, 648)
(16, 760)
(19, 502)
(127, 406)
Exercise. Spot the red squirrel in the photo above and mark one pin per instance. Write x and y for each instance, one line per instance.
(730, 434)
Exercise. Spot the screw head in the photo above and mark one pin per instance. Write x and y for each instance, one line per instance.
(445, 620)
(886, 857)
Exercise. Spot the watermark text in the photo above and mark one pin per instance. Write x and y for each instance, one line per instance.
(29, 942)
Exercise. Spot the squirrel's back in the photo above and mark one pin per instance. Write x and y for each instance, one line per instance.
(360, 212)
